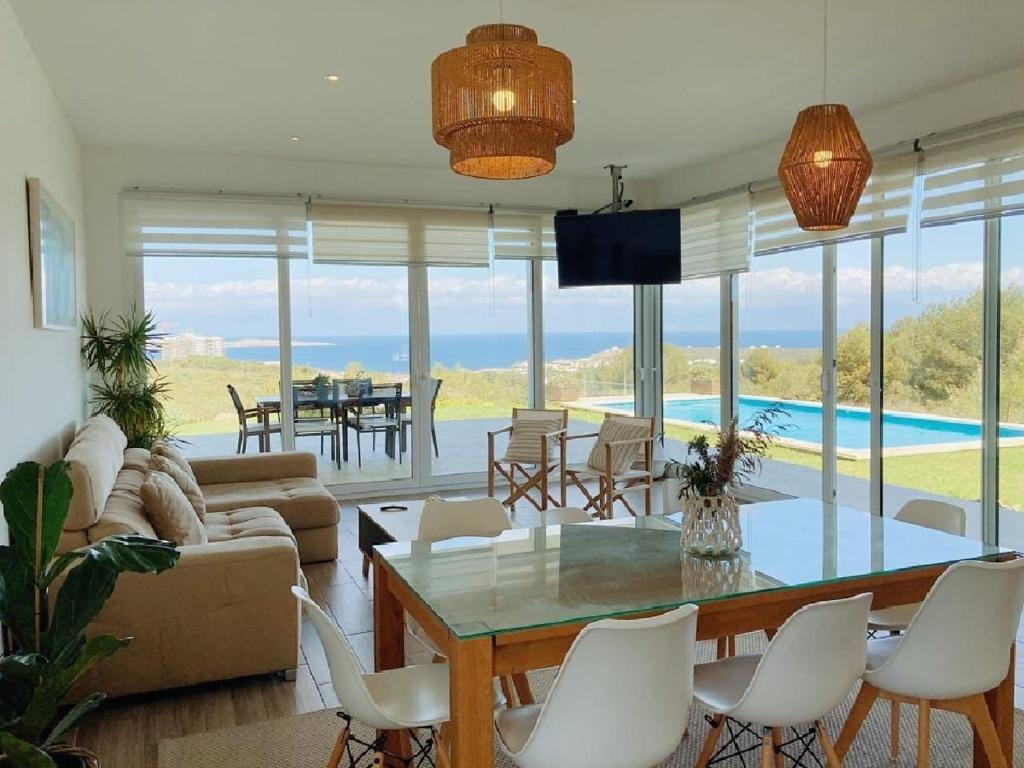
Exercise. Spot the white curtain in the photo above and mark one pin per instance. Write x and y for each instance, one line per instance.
(159, 224)
(716, 236)
(369, 234)
(523, 236)
(884, 207)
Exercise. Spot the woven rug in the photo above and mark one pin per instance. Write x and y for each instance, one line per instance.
(305, 741)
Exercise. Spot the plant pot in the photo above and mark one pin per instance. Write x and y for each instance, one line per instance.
(711, 526)
(67, 756)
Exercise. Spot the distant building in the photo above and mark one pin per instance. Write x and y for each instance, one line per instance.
(189, 345)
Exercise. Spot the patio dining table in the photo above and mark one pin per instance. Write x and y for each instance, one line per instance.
(338, 406)
(515, 602)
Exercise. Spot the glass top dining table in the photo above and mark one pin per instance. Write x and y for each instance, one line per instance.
(525, 579)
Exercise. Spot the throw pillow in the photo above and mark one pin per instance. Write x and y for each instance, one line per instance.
(165, 449)
(527, 433)
(613, 429)
(169, 511)
(185, 481)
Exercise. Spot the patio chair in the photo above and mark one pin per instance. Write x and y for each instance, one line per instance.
(246, 429)
(529, 457)
(364, 420)
(317, 424)
(407, 418)
(622, 442)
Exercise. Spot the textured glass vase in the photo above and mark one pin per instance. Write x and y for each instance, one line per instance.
(711, 526)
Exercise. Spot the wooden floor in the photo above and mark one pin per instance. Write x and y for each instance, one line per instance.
(126, 732)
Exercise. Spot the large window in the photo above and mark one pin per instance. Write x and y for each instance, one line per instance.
(479, 357)
(1011, 384)
(352, 323)
(690, 360)
(932, 347)
(219, 317)
(780, 363)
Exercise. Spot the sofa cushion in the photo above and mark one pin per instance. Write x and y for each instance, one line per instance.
(94, 459)
(169, 510)
(123, 512)
(302, 501)
(244, 523)
(185, 480)
(168, 451)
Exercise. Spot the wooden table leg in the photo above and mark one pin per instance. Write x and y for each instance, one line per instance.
(1000, 705)
(388, 646)
(472, 731)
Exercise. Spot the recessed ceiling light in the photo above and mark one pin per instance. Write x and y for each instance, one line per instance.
(332, 78)
(295, 138)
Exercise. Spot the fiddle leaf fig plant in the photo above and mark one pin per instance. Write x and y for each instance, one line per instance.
(46, 650)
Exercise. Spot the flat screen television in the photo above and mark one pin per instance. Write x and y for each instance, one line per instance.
(631, 248)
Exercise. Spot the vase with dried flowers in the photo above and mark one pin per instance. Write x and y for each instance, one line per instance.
(711, 524)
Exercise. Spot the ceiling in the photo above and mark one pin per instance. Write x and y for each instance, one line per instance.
(660, 83)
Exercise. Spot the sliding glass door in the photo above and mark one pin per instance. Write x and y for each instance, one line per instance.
(220, 349)
(350, 350)
(479, 358)
(1011, 383)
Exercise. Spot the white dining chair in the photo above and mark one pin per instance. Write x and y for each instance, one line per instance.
(620, 700)
(956, 648)
(407, 700)
(451, 518)
(806, 672)
(928, 513)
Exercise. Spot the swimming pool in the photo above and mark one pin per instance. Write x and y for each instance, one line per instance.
(853, 429)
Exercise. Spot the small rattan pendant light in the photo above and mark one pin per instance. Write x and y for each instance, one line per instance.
(502, 103)
(826, 164)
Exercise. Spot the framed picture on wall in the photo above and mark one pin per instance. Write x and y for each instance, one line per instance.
(51, 242)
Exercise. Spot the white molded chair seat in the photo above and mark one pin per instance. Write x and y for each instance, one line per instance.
(928, 513)
(565, 516)
(956, 648)
(806, 672)
(620, 700)
(396, 700)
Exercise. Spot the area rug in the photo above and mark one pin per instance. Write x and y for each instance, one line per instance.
(305, 741)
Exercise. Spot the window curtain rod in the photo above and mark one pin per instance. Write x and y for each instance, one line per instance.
(976, 130)
(305, 197)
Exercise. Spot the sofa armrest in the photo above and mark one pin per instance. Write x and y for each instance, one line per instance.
(225, 610)
(253, 467)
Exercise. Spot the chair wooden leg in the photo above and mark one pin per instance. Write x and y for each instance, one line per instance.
(767, 749)
(894, 730)
(722, 648)
(717, 724)
(506, 690)
(777, 743)
(339, 749)
(441, 756)
(924, 733)
(831, 758)
(858, 713)
(523, 691)
(985, 728)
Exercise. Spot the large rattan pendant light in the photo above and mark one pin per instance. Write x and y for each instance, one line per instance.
(502, 103)
(826, 164)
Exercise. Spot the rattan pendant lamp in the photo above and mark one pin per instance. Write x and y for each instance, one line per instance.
(502, 103)
(826, 164)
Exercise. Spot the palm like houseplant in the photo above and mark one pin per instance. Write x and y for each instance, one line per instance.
(711, 519)
(120, 350)
(46, 650)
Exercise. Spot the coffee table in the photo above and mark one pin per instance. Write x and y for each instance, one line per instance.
(380, 525)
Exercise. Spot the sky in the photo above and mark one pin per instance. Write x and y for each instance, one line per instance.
(238, 297)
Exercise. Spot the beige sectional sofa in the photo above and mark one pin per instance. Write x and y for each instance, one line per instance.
(225, 610)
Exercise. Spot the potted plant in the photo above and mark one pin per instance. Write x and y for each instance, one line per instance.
(45, 648)
(120, 350)
(710, 515)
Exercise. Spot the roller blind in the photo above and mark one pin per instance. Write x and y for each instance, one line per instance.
(366, 234)
(523, 236)
(974, 179)
(716, 236)
(884, 207)
(156, 224)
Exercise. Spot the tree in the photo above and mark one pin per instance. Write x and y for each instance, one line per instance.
(853, 360)
(760, 366)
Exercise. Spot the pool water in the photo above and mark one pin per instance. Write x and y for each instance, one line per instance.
(853, 429)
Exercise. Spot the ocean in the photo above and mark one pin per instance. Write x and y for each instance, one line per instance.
(478, 351)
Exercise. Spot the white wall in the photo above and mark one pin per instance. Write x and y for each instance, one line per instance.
(114, 279)
(971, 102)
(42, 383)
